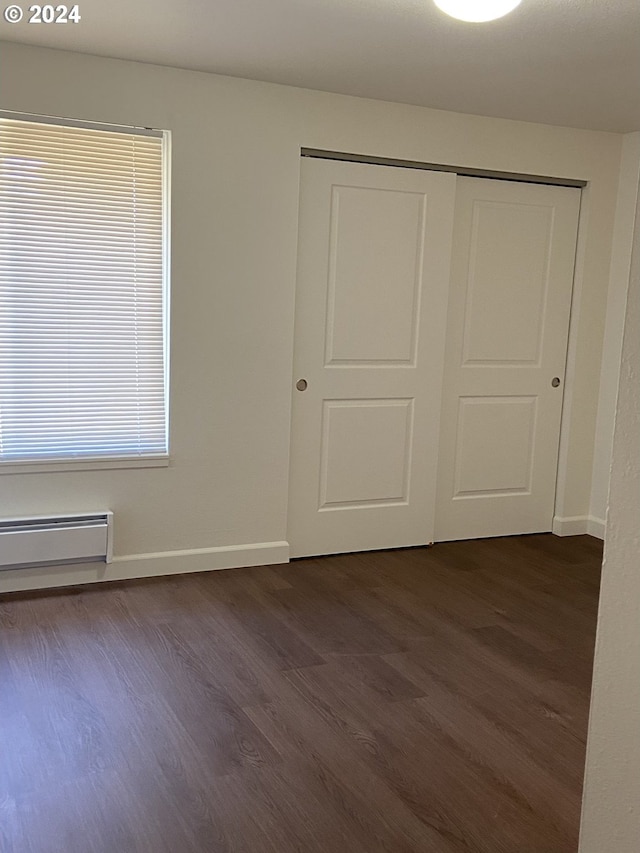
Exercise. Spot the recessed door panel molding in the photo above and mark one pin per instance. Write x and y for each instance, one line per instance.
(373, 274)
(507, 327)
(375, 264)
(494, 446)
(355, 432)
(507, 282)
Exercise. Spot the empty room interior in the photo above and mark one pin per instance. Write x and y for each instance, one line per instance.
(320, 426)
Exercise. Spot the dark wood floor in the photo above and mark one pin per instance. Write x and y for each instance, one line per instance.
(419, 701)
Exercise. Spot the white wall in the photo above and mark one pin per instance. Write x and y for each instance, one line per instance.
(611, 809)
(612, 347)
(236, 147)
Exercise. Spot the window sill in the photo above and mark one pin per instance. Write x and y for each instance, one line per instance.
(87, 464)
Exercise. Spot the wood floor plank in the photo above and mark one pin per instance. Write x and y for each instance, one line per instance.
(427, 700)
(301, 728)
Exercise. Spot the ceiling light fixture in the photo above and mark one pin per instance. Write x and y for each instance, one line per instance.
(477, 10)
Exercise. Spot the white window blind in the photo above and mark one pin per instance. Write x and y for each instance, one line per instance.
(82, 296)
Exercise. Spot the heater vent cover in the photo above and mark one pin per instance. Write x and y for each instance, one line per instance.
(56, 539)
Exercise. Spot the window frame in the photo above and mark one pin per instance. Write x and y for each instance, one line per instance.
(96, 461)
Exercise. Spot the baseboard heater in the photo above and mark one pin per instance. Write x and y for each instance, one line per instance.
(55, 540)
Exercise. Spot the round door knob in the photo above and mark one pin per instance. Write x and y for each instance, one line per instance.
(301, 384)
(555, 381)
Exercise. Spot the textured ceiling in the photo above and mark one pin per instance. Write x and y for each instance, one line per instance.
(565, 62)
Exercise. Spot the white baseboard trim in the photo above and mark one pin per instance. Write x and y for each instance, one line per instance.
(146, 566)
(596, 527)
(572, 526)
(578, 524)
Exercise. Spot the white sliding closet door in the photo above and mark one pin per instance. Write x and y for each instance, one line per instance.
(373, 277)
(511, 283)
